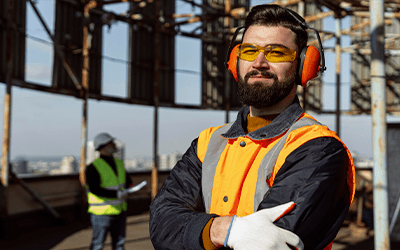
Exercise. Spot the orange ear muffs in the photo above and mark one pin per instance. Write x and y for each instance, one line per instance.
(309, 65)
(233, 62)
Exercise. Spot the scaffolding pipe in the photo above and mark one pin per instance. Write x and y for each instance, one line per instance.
(338, 63)
(378, 103)
(227, 74)
(85, 88)
(156, 84)
(302, 12)
(5, 159)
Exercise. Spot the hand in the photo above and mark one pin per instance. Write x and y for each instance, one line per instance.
(122, 194)
(257, 231)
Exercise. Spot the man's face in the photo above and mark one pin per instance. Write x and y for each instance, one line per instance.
(263, 83)
(109, 149)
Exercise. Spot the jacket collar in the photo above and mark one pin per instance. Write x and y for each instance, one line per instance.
(278, 126)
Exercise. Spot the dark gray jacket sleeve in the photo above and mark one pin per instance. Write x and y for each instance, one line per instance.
(314, 176)
(177, 216)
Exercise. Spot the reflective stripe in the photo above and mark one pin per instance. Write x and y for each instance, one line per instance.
(109, 202)
(113, 188)
(215, 147)
(268, 162)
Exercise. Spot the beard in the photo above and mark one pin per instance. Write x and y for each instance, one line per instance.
(259, 96)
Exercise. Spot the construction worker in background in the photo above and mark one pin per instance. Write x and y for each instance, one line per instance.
(107, 184)
(275, 178)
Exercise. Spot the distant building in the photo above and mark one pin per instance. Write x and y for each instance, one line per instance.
(163, 162)
(174, 158)
(44, 167)
(69, 165)
(168, 161)
(20, 166)
(131, 164)
(138, 163)
(145, 162)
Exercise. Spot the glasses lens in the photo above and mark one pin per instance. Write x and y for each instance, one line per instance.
(280, 54)
(248, 52)
(273, 53)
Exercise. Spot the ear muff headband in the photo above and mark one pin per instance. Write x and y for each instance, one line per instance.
(310, 63)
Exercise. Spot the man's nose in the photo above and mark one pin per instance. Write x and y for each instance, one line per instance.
(261, 61)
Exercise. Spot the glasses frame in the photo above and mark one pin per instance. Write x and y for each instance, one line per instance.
(289, 53)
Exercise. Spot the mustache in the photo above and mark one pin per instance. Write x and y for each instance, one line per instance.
(262, 72)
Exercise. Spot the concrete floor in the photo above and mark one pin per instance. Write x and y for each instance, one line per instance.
(137, 236)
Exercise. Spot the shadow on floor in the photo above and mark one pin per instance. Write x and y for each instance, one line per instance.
(43, 238)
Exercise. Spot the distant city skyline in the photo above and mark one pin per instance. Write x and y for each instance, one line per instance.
(69, 164)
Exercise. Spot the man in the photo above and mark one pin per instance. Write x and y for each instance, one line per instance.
(107, 181)
(273, 179)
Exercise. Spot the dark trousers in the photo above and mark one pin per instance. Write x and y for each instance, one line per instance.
(102, 224)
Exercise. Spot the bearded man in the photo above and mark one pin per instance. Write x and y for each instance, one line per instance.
(274, 178)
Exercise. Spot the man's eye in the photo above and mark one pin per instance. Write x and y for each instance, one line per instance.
(249, 51)
(276, 53)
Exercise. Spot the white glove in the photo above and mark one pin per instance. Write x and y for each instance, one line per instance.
(122, 194)
(257, 231)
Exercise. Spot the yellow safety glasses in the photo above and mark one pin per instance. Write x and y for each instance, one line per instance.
(273, 53)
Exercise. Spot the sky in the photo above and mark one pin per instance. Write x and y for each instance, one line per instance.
(45, 124)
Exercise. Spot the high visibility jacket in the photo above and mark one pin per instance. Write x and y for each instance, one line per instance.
(248, 185)
(220, 163)
(108, 180)
(228, 171)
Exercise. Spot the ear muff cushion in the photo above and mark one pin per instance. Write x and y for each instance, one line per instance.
(310, 63)
(233, 62)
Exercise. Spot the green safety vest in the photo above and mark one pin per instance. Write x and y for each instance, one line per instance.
(108, 180)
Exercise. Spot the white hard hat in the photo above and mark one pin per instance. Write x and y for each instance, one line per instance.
(101, 140)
